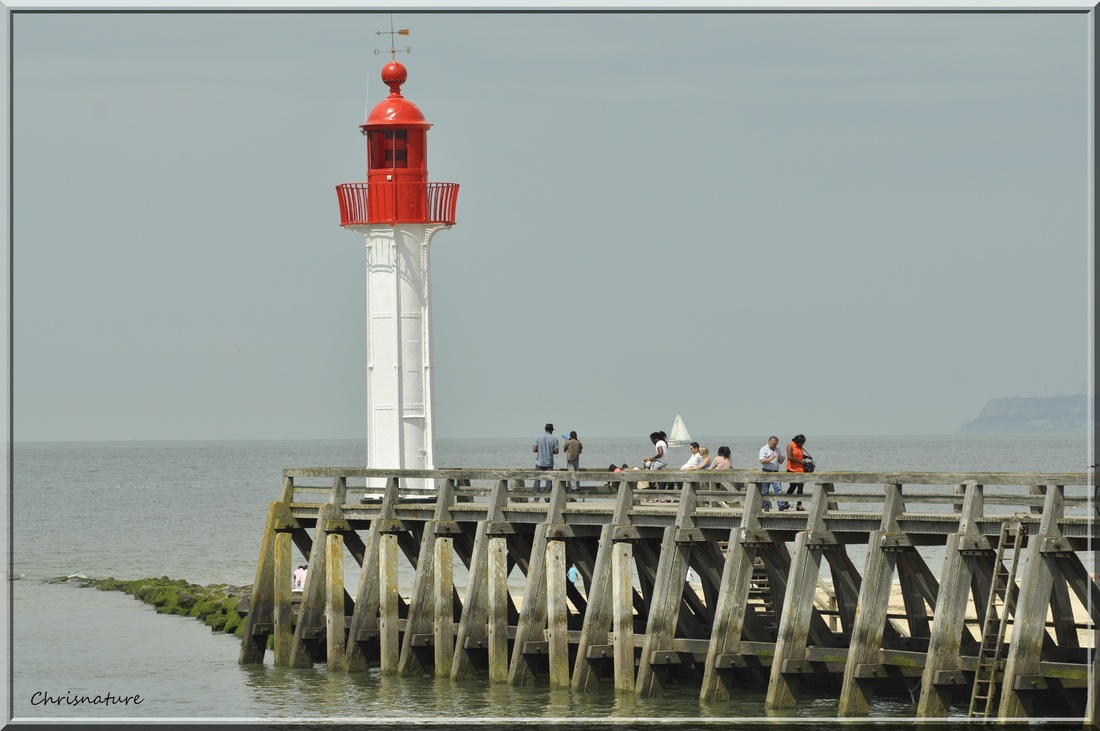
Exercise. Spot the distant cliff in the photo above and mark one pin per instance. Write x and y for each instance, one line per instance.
(1031, 415)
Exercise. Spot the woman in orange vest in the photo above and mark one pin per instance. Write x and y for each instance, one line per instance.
(796, 459)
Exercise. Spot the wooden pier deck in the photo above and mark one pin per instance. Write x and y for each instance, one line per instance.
(1008, 623)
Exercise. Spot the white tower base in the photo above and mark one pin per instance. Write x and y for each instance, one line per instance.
(400, 428)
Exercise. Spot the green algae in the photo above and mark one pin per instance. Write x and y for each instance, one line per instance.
(215, 605)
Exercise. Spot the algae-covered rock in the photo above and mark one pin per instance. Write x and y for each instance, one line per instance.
(232, 622)
(220, 606)
(215, 621)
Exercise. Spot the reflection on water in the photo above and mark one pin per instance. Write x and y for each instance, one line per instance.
(312, 693)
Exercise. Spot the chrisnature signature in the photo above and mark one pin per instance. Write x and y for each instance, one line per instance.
(45, 698)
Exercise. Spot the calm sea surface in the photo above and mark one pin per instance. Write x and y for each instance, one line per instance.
(196, 510)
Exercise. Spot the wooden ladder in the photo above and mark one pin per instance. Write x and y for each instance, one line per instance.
(760, 592)
(987, 676)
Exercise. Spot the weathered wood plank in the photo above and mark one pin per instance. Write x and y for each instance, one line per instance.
(474, 621)
(598, 617)
(443, 615)
(798, 609)
(1029, 627)
(716, 476)
(870, 619)
(254, 643)
(389, 643)
(532, 615)
(311, 613)
(622, 560)
(733, 600)
(422, 607)
(557, 611)
(335, 648)
(668, 590)
(498, 609)
(948, 623)
(283, 627)
(365, 618)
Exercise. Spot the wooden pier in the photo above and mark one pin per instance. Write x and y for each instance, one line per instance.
(991, 628)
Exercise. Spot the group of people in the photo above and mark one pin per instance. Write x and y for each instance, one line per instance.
(700, 458)
(796, 458)
(546, 446)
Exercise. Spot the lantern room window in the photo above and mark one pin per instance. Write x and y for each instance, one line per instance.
(389, 148)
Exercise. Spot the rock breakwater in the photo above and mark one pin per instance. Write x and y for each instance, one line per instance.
(222, 607)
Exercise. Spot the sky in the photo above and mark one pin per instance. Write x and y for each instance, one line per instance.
(770, 223)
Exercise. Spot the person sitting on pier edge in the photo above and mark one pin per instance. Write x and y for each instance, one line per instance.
(770, 459)
(660, 459)
(722, 461)
(796, 457)
(573, 448)
(695, 461)
(546, 446)
(704, 452)
(615, 468)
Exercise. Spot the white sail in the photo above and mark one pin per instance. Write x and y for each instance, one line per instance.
(679, 434)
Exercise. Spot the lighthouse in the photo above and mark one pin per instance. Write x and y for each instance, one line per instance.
(398, 211)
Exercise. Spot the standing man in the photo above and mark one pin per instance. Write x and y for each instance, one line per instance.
(573, 449)
(770, 459)
(546, 446)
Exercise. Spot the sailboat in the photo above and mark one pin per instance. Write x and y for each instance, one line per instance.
(679, 435)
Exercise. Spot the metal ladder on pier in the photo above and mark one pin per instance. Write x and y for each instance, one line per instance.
(988, 675)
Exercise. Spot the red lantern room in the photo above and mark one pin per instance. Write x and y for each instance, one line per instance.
(397, 188)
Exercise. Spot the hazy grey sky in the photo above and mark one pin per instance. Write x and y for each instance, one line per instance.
(769, 223)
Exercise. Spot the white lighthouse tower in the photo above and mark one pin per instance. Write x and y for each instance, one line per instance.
(398, 212)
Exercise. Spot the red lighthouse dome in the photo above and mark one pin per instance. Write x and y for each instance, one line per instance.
(395, 110)
(397, 188)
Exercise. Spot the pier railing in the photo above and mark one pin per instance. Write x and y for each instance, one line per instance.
(913, 558)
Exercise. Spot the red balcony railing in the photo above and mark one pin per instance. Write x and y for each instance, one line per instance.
(391, 203)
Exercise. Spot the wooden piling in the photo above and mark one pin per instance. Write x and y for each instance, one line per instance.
(531, 629)
(282, 578)
(364, 632)
(557, 614)
(473, 628)
(306, 647)
(622, 561)
(1029, 628)
(334, 603)
(603, 599)
(733, 600)
(942, 674)
(800, 621)
(870, 618)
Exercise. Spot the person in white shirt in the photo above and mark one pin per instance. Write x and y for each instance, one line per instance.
(659, 460)
(695, 461)
(770, 459)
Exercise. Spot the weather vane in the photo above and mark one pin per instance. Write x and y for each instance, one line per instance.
(391, 33)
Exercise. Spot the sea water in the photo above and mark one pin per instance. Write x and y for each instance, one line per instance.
(196, 510)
